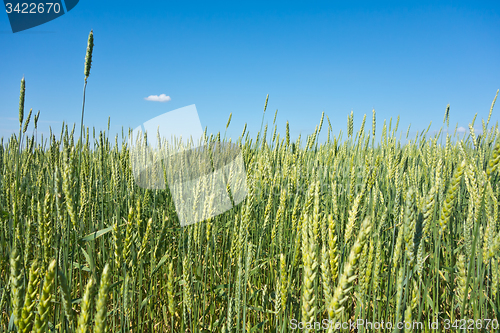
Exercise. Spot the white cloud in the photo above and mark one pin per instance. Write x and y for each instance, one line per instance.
(461, 129)
(156, 98)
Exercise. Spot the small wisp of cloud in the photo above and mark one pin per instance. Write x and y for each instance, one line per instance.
(461, 129)
(156, 98)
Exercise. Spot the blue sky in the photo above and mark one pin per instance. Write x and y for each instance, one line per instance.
(401, 58)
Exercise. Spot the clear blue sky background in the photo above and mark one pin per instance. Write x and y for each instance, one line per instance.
(401, 58)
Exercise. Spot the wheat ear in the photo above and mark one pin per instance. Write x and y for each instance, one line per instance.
(337, 304)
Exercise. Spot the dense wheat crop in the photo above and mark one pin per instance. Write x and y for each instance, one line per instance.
(362, 227)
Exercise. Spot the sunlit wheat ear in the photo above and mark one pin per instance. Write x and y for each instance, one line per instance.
(287, 142)
(495, 277)
(310, 264)
(170, 288)
(332, 249)
(277, 226)
(86, 303)
(161, 239)
(129, 238)
(36, 119)
(491, 108)
(310, 197)
(44, 306)
(88, 55)
(309, 273)
(450, 197)
(344, 286)
(16, 285)
(413, 304)
(494, 248)
(408, 319)
(248, 261)
(326, 280)
(489, 239)
(374, 123)
(494, 160)
(352, 180)
(22, 96)
(350, 124)
(352, 218)
(446, 118)
(409, 224)
(283, 281)
(230, 316)
(362, 128)
(461, 280)
(28, 313)
(277, 298)
(428, 211)
(86, 72)
(145, 238)
(100, 317)
(26, 123)
(267, 213)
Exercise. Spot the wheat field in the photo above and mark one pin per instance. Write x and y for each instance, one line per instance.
(364, 227)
